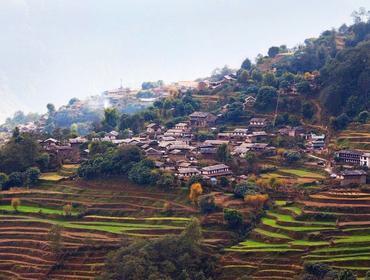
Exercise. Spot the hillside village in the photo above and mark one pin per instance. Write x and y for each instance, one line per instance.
(256, 173)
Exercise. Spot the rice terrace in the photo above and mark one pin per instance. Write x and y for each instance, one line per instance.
(124, 156)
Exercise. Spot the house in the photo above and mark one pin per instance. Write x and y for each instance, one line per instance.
(216, 142)
(216, 170)
(187, 172)
(349, 177)
(257, 136)
(316, 142)
(207, 149)
(75, 144)
(365, 159)
(349, 156)
(182, 126)
(153, 128)
(151, 152)
(112, 135)
(258, 122)
(291, 131)
(224, 135)
(249, 102)
(49, 143)
(202, 119)
(240, 133)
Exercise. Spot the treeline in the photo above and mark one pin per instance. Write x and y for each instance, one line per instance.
(173, 257)
(107, 160)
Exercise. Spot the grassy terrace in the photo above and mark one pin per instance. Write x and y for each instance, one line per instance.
(110, 227)
(34, 209)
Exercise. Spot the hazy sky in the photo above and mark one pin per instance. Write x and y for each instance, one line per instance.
(53, 50)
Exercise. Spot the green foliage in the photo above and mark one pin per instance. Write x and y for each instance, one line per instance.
(171, 257)
(207, 204)
(223, 153)
(111, 118)
(140, 172)
(15, 179)
(244, 188)
(347, 81)
(247, 64)
(32, 175)
(292, 156)
(100, 147)
(273, 51)
(266, 99)
(233, 218)
(307, 110)
(364, 117)
(19, 153)
(3, 180)
(115, 161)
(340, 122)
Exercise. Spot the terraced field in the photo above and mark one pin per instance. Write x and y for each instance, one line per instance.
(355, 137)
(328, 227)
(100, 221)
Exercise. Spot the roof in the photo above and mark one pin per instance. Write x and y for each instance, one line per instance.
(50, 140)
(200, 114)
(353, 172)
(350, 152)
(258, 120)
(188, 170)
(240, 130)
(216, 142)
(215, 167)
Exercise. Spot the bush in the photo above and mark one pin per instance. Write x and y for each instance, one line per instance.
(207, 204)
(245, 188)
(15, 179)
(233, 218)
(32, 176)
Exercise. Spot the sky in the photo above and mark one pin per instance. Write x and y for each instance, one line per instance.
(53, 50)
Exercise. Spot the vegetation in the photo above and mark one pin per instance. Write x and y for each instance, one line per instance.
(171, 257)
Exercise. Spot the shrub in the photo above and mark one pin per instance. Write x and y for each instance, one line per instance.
(195, 191)
(233, 218)
(207, 204)
(15, 203)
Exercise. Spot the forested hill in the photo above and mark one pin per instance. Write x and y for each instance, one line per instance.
(342, 57)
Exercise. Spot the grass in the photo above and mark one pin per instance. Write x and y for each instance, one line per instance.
(296, 210)
(280, 202)
(33, 209)
(51, 176)
(272, 234)
(341, 249)
(302, 173)
(353, 239)
(273, 223)
(288, 218)
(308, 243)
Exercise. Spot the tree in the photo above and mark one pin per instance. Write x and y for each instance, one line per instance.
(172, 257)
(15, 179)
(307, 110)
(223, 153)
(273, 51)
(195, 191)
(364, 117)
(55, 239)
(51, 109)
(32, 176)
(340, 122)
(111, 117)
(266, 99)
(247, 64)
(233, 218)
(67, 209)
(140, 172)
(207, 204)
(256, 200)
(304, 87)
(243, 77)
(3, 180)
(15, 203)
